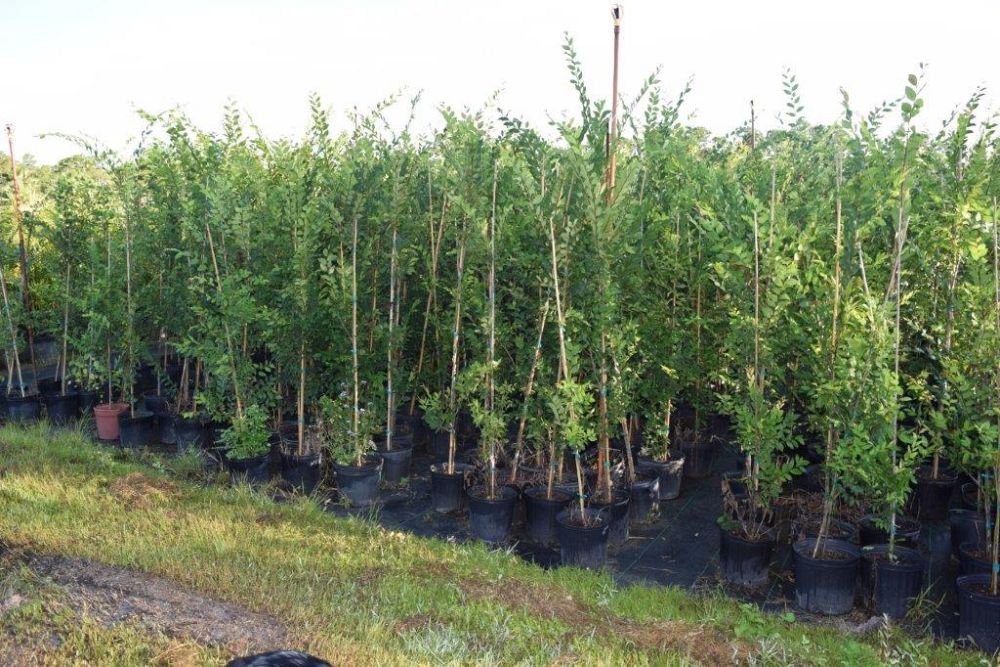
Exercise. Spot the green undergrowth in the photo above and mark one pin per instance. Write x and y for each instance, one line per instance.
(349, 589)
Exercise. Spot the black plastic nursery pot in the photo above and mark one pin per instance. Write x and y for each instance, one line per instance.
(415, 426)
(137, 429)
(396, 462)
(303, 473)
(744, 562)
(540, 513)
(932, 496)
(670, 473)
(86, 400)
(967, 526)
(23, 409)
(978, 612)
(254, 470)
(190, 433)
(891, 584)
(643, 494)
(448, 489)
(583, 541)
(155, 403)
(825, 585)
(698, 459)
(359, 484)
(907, 532)
(61, 409)
(490, 519)
(975, 557)
(616, 511)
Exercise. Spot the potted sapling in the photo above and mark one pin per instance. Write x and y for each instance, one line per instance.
(657, 456)
(892, 567)
(491, 504)
(543, 503)
(346, 430)
(979, 594)
(447, 488)
(583, 531)
(765, 433)
(448, 479)
(246, 443)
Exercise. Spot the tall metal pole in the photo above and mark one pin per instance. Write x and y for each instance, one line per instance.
(616, 15)
(23, 254)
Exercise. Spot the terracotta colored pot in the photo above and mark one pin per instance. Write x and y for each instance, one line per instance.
(106, 416)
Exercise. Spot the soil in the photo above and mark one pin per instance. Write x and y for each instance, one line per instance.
(112, 596)
(980, 589)
(830, 554)
(981, 553)
(883, 557)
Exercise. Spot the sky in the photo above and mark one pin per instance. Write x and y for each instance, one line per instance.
(85, 67)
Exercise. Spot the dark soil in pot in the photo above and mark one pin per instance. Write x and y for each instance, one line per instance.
(448, 489)
(616, 510)
(890, 585)
(643, 495)
(583, 541)
(61, 409)
(490, 519)
(359, 484)
(540, 513)
(967, 526)
(303, 473)
(837, 530)
(254, 470)
(975, 558)
(23, 409)
(907, 532)
(932, 496)
(670, 473)
(978, 612)
(137, 428)
(396, 462)
(744, 562)
(698, 459)
(825, 585)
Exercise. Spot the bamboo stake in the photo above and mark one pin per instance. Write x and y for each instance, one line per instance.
(225, 323)
(13, 334)
(528, 390)
(354, 338)
(65, 338)
(492, 327)
(22, 254)
(616, 14)
(431, 294)
(996, 466)
(390, 415)
(452, 444)
(831, 432)
(563, 359)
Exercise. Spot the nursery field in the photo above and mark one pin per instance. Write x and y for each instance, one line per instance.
(612, 357)
(113, 557)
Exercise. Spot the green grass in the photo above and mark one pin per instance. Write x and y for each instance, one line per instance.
(353, 591)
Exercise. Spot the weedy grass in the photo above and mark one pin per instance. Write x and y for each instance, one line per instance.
(346, 588)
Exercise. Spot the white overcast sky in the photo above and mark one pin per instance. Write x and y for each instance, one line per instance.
(73, 66)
